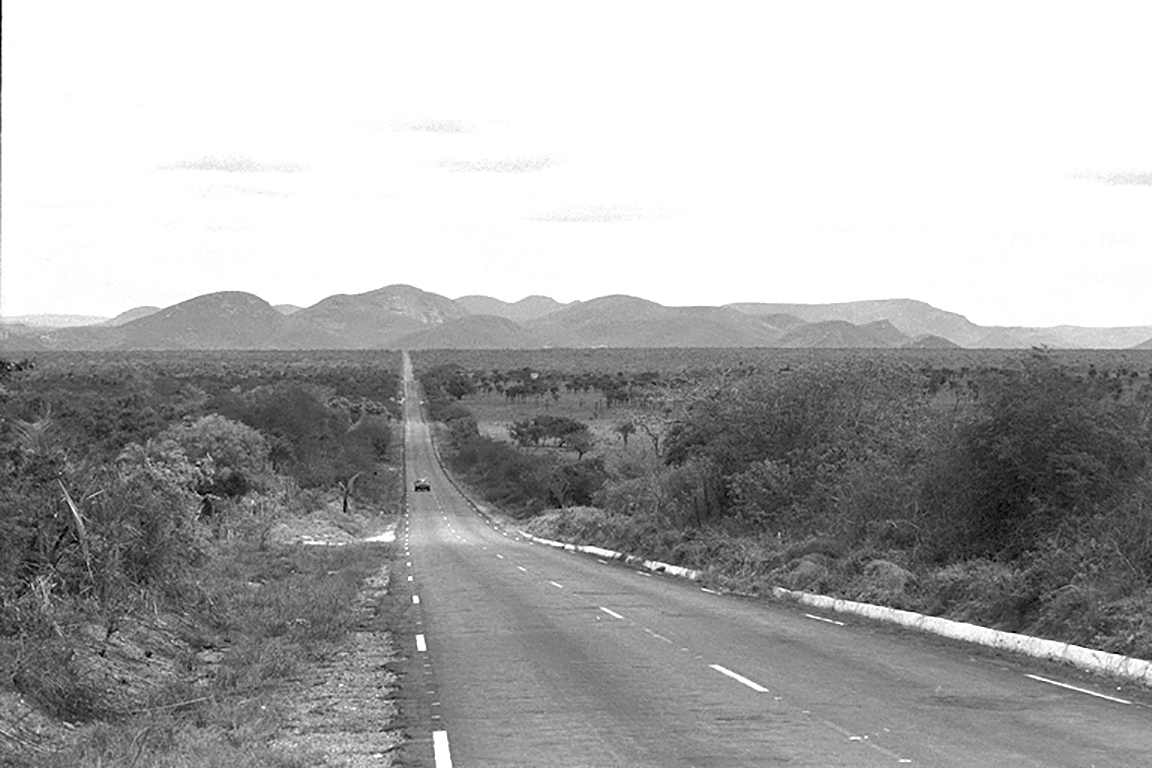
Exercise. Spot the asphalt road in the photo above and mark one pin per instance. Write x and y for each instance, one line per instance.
(523, 655)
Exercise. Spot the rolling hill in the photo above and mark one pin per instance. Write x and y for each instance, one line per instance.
(472, 332)
(526, 309)
(910, 317)
(131, 314)
(403, 316)
(841, 334)
(627, 321)
(372, 320)
(226, 320)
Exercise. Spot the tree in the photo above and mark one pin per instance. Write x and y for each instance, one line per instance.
(526, 432)
(581, 442)
(625, 429)
(1045, 449)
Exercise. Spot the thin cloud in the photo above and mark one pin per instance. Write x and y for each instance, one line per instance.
(231, 164)
(588, 213)
(1134, 178)
(433, 126)
(526, 164)
(1141, 179)
(257, 191)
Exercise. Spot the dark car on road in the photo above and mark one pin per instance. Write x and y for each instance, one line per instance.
(422, 485)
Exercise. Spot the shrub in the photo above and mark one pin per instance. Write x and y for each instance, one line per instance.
(231, 457)
(1045, 448)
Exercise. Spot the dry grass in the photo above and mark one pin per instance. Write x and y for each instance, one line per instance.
(265, 614)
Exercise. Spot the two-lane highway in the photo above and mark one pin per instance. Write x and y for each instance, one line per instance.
(531, 656)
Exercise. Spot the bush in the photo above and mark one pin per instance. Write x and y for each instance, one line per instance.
(1045, 448)
(231, 457)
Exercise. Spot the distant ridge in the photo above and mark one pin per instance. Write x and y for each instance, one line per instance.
(526, 309)
(473, 332)
(132, 314)
(909, 316)
(372, 320)
(225, 320)
(627, 321)
(54, 321)
(841, 334)
(403, 316)
(928, 341)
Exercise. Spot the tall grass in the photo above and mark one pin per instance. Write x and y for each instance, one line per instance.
(267, 613)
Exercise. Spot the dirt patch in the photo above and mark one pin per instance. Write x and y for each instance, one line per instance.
(330, 527)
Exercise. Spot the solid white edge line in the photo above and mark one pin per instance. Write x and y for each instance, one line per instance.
(739, 678)
(440, 751)
(611, 612)
(421, 645)
(822, 618)
(1079, 690)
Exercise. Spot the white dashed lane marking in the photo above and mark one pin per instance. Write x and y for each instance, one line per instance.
(421, 645)
(441, 753)
(739, 678)
(1078, 690)
(829, 621)
(611, 612)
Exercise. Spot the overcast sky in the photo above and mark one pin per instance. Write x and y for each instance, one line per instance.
(990, 158)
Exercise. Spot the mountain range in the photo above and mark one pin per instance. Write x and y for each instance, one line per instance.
(405, 317)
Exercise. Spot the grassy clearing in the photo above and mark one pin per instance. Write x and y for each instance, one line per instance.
(494, 413)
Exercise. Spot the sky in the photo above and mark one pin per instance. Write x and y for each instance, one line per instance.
(989, 158)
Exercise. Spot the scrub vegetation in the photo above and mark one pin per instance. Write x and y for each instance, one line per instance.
(151, 605)
(1008, 489)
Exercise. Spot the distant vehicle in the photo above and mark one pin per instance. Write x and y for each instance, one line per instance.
(422, 484)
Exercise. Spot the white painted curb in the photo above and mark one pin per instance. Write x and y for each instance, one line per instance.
(1139, 670)
(1089, 659)
(608, 554)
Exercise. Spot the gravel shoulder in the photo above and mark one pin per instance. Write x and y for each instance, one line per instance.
(343, 708)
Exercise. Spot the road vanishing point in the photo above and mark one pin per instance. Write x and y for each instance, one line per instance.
(525, 655)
